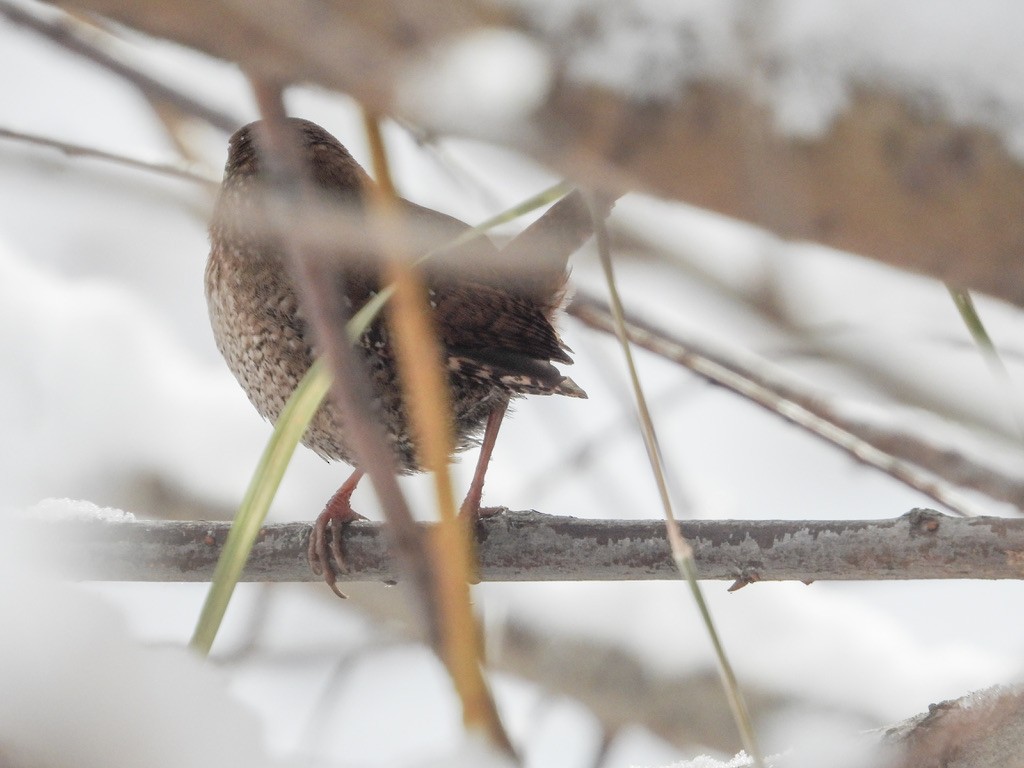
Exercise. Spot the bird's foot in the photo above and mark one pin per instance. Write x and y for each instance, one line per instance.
(471, 514)
(471, 511)
(325, 554)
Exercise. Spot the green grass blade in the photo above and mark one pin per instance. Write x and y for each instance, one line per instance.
(969, 314)
(297, 413)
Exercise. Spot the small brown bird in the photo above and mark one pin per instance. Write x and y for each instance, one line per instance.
(496, 330)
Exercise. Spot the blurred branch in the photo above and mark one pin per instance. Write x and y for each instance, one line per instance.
(984, 729)
(314, 281)
(529, 546)
(64, 35)
(887, 178)
(175, 170)
(981, 730)
(920, 465)
(621, 688)
(425, 392)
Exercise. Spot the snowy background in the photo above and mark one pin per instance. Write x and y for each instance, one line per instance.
(112, 391)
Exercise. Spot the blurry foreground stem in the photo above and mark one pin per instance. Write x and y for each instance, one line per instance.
(426, 394)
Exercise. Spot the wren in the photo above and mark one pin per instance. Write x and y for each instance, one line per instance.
(495, 327)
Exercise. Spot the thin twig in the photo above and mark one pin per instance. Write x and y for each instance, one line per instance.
(529, 546)
(770, 393)
(175, 170)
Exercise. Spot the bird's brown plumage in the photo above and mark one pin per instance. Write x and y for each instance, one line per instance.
(496, 331)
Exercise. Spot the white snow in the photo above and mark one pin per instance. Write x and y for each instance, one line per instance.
(80, 689)
(474, 752)
(489, 77)
(109, 375)
(742, 760)
(805, 59)
(77, 509)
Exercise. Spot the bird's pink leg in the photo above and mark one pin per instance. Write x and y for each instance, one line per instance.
(471, 510)
(336, 515)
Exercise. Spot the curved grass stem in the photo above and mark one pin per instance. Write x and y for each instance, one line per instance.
(297, 413)
(682, 552)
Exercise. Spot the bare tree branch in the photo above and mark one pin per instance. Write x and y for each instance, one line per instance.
(622, 688)
(909, 459)
(174, 170)
(529, 546)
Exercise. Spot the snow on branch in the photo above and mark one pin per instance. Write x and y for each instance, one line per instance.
(530, 546)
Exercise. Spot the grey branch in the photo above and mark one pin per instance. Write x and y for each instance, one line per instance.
(529, 546)
(174, 170)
